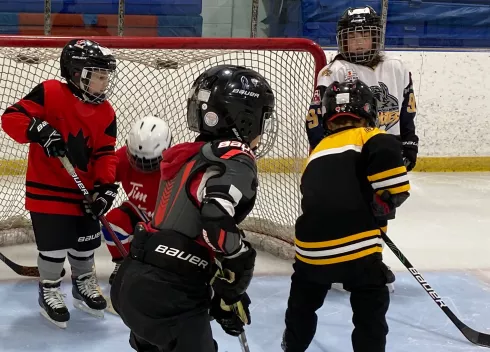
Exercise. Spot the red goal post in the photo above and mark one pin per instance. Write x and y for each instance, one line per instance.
(154, 76)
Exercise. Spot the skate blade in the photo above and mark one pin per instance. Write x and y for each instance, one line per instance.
(338, 287)
(60, 324)
(110, 307)
(84, 308)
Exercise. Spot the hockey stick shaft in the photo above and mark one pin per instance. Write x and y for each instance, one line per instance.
(473, 336)
(71, 170)
(30, 271)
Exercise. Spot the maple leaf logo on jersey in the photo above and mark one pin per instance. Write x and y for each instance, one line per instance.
(388, 106)
(79, 151)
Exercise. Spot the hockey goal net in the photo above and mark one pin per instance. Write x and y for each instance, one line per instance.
(154, 77)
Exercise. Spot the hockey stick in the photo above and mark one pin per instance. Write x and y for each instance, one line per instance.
(31, 271)
(478, 338)
(236, 309)
(71, 170)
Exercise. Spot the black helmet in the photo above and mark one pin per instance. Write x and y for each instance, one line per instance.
(82, 62)
(365, 22)
(351, 98)
(229, 101)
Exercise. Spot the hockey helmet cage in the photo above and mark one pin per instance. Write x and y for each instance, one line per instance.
(89, 69)
(356, 24)
(146, 141)
(350, 98)
(229, 101)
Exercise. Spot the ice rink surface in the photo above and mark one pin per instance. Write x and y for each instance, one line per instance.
(442, 229)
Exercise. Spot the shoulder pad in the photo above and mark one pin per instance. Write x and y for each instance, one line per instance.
(229, 149)
(237, 166)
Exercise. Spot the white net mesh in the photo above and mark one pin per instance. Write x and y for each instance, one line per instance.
(156, 81)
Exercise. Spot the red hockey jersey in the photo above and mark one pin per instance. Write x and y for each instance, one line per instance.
(89, 131)
(141, 187)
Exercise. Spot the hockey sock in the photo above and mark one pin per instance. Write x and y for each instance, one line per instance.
(81, 262)
(50, 264)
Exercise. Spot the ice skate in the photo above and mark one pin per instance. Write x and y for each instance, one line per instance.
(53, 306)
(87, 295)
(338, 286)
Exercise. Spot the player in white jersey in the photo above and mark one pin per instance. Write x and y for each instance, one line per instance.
(359, 57)
(359, 36)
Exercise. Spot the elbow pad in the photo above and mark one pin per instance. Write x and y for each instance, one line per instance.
(220, 230)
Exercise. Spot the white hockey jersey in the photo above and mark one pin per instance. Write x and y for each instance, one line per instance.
(390, 82)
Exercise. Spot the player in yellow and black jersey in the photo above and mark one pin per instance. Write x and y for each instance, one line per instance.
(354, 180)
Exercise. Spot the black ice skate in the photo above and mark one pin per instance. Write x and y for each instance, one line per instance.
(52, 304)
(87, 295)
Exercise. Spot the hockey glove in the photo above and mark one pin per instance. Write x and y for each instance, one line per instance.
(239, 271)
(384, 205)
(410, 150)
(231, 319)
(50, 139)
(103, 197)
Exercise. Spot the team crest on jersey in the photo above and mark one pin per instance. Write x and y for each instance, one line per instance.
(80, 150)
(351, 75)
(388, 106)
(326, 72)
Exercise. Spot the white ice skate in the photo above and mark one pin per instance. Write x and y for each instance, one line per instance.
(87, 295)
(52, 304)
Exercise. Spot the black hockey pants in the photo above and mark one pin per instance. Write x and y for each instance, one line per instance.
(369, 300)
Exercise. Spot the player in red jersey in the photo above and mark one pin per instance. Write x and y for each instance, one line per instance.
(73, 119)
(138, 171)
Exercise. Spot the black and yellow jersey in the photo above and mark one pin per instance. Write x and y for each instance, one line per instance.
(342, 173)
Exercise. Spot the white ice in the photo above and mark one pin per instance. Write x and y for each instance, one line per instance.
(442, 229)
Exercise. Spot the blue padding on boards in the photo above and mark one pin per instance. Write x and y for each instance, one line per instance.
(179, 26)
(134, 7)
(9, 19)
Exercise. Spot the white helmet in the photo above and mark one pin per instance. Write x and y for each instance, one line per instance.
(148, 138)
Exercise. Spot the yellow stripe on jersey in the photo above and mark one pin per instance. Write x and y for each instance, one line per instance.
(387, 173)
(341, 259)
(332, 243)
(345, 249)
(354, 138)
(393, 180)
(396, 190)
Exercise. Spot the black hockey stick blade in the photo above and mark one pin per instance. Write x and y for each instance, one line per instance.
(31, 271)
(478, 338)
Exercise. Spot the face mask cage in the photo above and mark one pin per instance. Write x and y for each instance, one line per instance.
(365, 38)
(269, 129)
(96, 84)
(143, 164)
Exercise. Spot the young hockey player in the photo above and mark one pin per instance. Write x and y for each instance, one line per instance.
(138, 171)
(337, 236)
(73, 119)
(359, 34)
(162, 290)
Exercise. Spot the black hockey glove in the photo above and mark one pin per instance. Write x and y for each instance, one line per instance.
(103, 197)
(231, 320)
(50, 139)
(410, 150)
(384, 205)
(238, 271)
